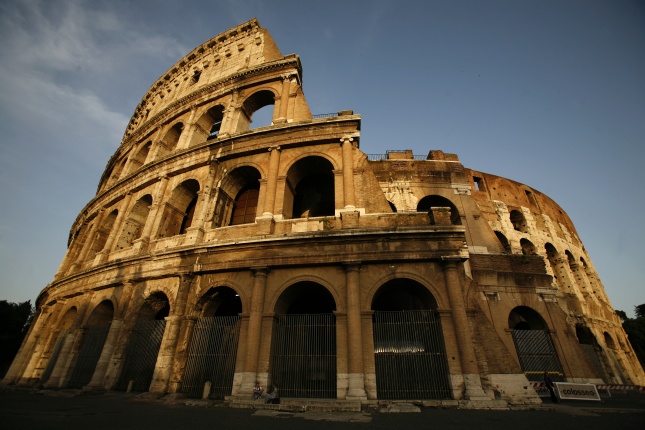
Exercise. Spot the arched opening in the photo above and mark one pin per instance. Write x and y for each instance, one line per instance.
(179, 210)
(116, 173)
(503, 241)
(135, 222)
(518, 221)
(237, 197)
(102, 234)
(591, 348)
(533, 344)
(433, 201)
(144, 343)
(249, 112)
(140, 157)
(213, 345)
(303, 349)
(59, 353)
(171, 138)
(310, 189)
(527, 247)
(408, 343)
(91, 344)
(246, 205)
(208, 125)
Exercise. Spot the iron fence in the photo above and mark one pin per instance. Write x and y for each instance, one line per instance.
(410, 356)
(89, 352)
(303, 355)
(141, 355)
(537, 355)
(211, 357)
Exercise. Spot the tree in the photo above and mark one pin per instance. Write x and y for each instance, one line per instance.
(14, 323)
(635, 329)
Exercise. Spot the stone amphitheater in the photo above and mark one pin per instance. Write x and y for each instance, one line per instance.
(217, 253)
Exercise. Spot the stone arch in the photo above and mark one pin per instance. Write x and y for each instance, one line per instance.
(236, 188)
(525, 318)
(208, 125)
(219, 301)
(503, 241)
(408, 343)
(431, 201)
(306, 297)
(133, 226)
(140, 156)
(527, 247)
(254, 102)
(171, 138)
(401, 294)
(179, 209)
(609, 341)
(144, 341)
(102, 234)
(303, 347)
(518, 221)
(535, 349)
(94, 334)
(408, 275)
(309, 189)
(214, 341)
(155, 307)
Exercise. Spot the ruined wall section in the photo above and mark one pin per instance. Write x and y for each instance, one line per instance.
(533, 224)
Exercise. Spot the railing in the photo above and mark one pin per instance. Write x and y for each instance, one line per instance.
(325, 115)
(377, 157)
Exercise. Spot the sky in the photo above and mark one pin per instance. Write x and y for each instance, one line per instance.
(547, 93)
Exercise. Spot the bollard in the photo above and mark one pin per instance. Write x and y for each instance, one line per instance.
(207, 390)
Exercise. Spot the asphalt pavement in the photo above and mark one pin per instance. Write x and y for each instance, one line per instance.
(22, 409)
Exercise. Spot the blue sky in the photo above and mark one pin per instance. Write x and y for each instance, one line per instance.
(547, 93)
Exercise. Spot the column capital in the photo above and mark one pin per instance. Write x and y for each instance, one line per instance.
(351, 266)
(260, 270)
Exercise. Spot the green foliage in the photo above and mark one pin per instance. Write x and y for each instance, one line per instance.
(635, 329)
(14, 323)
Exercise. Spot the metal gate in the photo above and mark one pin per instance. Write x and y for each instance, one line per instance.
(54, 356)
(303, 355)
(537, 355)
(410, 356)
(88, 355)
(211, 357)
(141, 355)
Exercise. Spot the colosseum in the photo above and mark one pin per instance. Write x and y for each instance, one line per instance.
(216, 254)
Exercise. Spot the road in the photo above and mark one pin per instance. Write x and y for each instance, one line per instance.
(28, 410)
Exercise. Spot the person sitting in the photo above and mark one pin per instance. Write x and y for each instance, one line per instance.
(257, 391)
(272, 396)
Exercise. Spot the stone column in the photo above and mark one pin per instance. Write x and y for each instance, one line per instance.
(284, 99)
(356, 377)
(255, 330)
(472, 381)
(22, 359)
(348, 173)
(165, 359)
(272, 181)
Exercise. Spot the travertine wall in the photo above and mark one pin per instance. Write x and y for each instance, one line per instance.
(161, 241)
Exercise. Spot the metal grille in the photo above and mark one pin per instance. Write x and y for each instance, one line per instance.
(592, 354)
(88, 355)
(537, 355)
(211, 357)
(54, 357)
(141, 355)
(410, 356)
(303, 355)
